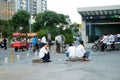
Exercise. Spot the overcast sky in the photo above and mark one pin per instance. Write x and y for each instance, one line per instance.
(69, 7)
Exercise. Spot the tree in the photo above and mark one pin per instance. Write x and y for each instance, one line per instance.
(75, 29)
(6, 28)
(42, 32)
(21, 21)
(49, 20)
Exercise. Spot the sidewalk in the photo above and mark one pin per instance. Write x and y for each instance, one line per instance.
(103, 66)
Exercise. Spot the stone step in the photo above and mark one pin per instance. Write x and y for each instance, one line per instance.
(37, 61)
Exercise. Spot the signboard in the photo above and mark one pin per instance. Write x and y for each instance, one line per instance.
(24, 34)
(31, 34)
(16, 34)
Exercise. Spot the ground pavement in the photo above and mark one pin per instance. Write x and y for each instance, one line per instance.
(103, 66)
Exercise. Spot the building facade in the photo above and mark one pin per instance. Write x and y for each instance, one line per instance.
(97, 21)
(7, 9)
(10, 7)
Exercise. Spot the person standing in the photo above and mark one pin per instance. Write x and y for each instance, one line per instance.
(43, 40)
(81, 52)
(5, 43)
(78, 39)
(34, 43)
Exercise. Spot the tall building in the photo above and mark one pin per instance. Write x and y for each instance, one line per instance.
(9, 7)
(37, 6)
(6, 9)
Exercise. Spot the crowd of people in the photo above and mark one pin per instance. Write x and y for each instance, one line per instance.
(72, 52)
(43, 46)
(109, 40)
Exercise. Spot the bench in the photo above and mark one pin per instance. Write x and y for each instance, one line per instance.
(75, 59)
(37, 61)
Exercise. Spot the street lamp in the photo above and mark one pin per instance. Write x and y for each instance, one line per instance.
(31, 21)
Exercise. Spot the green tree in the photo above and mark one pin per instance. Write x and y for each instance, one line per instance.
(69, 38)
(45, 20)
(6, 27)
(75, 29)
(21, 21)
(49, 20)
(42, 32)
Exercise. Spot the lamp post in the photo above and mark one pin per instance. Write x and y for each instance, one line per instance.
(30, 22)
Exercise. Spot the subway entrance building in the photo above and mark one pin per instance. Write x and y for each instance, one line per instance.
(97, 21)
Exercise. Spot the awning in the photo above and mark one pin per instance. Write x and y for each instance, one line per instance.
(100, 11)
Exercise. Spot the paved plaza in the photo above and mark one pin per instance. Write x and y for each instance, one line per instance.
(102, 66)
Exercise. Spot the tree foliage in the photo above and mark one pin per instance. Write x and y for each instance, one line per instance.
(75, 29)
(21, 19)
(45, 22)
(6, 28)
(49, 19)
(42, 33)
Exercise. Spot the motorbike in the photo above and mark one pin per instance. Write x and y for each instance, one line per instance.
(109, 46)
(96, 46)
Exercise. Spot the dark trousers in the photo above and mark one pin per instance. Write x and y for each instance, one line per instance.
(5, 46)
(103, 46)
(113, 46)
(58, 48)
(46, 57)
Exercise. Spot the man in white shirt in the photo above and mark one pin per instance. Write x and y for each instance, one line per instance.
(104, 41)
(70, 53)
(81, 52)
(111, 40)
(43, 40)
(118, 36)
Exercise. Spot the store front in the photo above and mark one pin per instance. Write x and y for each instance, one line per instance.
(97, 21)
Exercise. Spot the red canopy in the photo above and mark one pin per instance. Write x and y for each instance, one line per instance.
(18, 34)
(15, 34)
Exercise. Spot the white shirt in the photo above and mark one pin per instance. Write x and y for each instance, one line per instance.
(111, 38)
(105, 39)
(43, 40)
(42, 52)
(118, 35)
(71, 51)
(60, 39)
(80, 51)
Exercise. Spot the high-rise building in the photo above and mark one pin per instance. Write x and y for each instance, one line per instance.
(37, 6)
(6, 9)
(9, 7)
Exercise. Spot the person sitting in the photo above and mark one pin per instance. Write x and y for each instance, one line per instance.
(44, 53)
(81, 52)
(104, 41)
(70, 53)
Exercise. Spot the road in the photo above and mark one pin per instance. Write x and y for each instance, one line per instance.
(102, 66)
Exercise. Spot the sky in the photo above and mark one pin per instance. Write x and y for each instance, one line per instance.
(69, 7)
